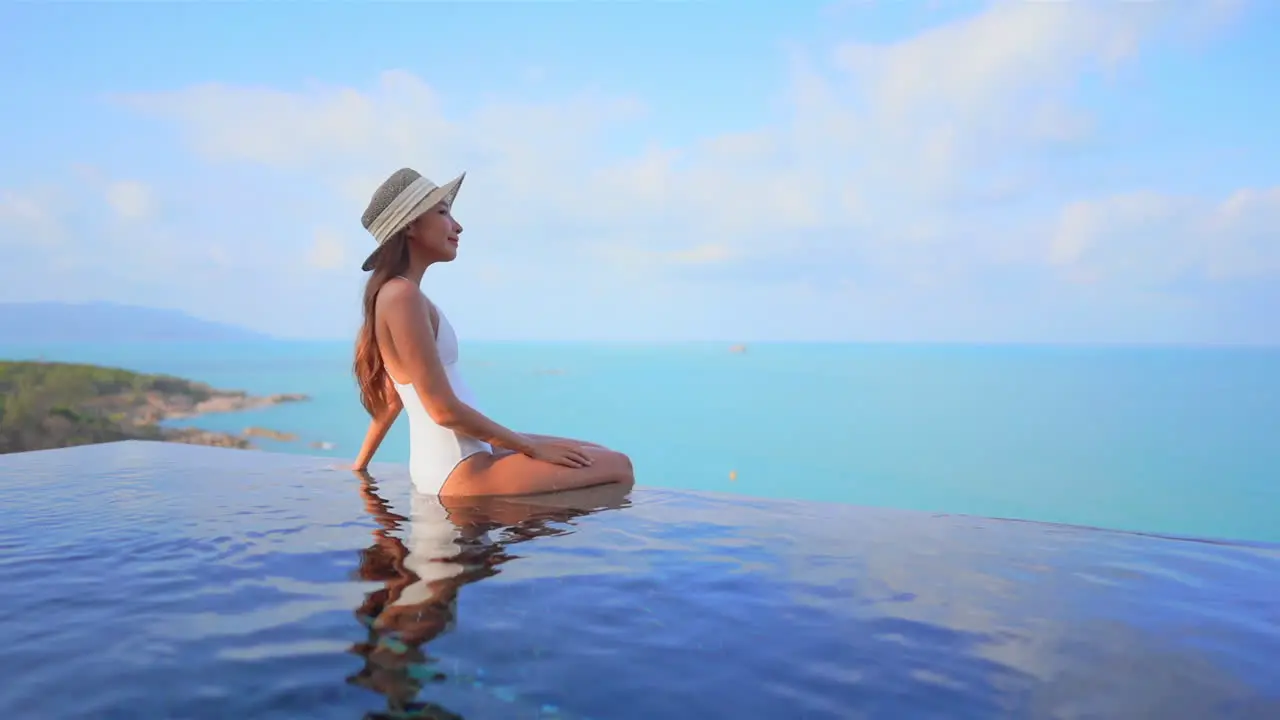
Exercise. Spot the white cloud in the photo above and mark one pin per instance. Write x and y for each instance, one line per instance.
(31, 216)
(708, 253)
(91, 237)
(47, 214)
(635, 257)
(1153, 239)
(1243, 233)
(883, 140)
(949, 95)
(131, 200)
(896, 168)
(328, 250)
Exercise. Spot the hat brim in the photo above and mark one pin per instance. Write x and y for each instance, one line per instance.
(445, 193)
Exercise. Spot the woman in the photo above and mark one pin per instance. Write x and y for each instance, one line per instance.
(407, 359)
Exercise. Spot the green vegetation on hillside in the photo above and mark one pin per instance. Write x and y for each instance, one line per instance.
(50, 405)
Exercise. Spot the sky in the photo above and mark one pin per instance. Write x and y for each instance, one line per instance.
(939, 171)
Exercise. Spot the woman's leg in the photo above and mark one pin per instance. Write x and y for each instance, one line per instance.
(516, 474)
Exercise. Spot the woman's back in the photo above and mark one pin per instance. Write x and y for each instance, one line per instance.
(435, 450)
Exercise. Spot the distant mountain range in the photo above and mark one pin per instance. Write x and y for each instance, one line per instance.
(100, 322)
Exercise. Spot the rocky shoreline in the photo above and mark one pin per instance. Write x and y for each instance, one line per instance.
(160, 407)
(45, 405)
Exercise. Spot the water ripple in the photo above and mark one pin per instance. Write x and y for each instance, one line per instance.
(145, 580)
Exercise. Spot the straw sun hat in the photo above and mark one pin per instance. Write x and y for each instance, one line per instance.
(398, 201)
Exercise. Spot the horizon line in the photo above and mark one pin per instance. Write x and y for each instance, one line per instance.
(1077, 344)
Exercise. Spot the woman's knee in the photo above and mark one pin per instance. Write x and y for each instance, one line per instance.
(617, 466)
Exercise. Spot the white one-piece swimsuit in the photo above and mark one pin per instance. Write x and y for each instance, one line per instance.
(435, 450)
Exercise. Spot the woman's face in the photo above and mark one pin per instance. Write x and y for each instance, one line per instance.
(435, 233)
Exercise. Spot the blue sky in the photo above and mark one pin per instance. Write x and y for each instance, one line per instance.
(898, 171)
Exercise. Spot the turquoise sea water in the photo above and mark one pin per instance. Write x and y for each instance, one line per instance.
(1165, 440)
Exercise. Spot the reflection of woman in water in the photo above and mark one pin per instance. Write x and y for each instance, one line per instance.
(407, 359)
(449, 546)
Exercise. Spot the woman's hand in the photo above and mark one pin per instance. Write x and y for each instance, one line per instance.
(560, 452)
(357, 468)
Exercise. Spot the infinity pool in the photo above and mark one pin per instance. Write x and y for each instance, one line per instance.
(147, 580)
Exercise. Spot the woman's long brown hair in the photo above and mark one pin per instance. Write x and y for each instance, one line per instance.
(370, 371)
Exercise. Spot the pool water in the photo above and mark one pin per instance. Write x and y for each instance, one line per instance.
(149, 580)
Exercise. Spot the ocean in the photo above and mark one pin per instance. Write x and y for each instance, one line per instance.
(1180, 441)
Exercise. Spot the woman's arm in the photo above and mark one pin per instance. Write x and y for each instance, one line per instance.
(378, 427)
(407, 319)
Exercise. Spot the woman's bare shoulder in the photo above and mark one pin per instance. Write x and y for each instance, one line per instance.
(398, 292)
(402, 299)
